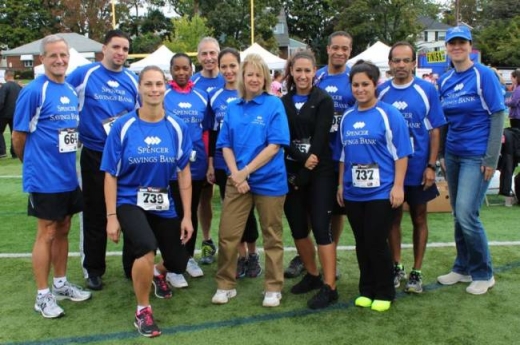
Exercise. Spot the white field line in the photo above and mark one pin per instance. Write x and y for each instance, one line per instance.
(10, 176)
(287, 249)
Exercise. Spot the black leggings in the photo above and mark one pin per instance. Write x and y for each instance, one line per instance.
(145, 232)
(310, 207)
(371, 222)
(251, 230)
(196, 188)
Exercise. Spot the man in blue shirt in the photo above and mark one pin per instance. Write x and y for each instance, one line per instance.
(106, 91)
(419, 103)
(45, 138)
(208, 79)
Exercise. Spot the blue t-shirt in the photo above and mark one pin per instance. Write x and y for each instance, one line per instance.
(248, 128)
(143, 154)
(45, 109)
(378, 135)
(192, 108)
(208, 84)
(468, 99)
(102, 94)
(219, 100)
(419, 103)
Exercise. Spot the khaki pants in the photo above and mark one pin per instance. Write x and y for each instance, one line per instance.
(233, 218)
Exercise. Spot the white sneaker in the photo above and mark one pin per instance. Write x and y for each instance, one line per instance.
(453, 278)
(176, 280)
(193, 268)
(47, 306)
(70, 291)
(480, 287)
(223, 296)
(272, 299)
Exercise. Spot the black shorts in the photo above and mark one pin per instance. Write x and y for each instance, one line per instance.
(415, 195)
(55, 206)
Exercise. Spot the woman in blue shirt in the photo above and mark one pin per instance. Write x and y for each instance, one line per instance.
(143, 150)
(254, 129)
(473, 103)
(373, 149)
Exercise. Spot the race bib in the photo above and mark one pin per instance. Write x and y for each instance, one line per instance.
(365, 175)
(68, 140)
(108, 123)
(336, 120)
(153, 199)
(303, 145)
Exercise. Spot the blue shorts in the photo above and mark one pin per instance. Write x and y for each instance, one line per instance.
(415, 195)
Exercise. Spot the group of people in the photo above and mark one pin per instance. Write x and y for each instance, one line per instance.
(335, 144)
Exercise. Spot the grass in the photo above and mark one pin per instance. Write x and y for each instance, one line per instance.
(441, 315)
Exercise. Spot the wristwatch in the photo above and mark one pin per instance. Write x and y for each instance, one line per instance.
(431, 166)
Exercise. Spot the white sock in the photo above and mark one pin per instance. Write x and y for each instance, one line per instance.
(156, 271)
(43, 292)
(141, 307)
(59, 282)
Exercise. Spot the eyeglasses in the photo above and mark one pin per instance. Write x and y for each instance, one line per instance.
(405, 60)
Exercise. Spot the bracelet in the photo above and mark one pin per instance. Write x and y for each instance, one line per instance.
(110, 214)
(247, 169)
(431, 166)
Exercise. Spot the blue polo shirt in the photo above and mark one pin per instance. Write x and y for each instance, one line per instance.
(468, 99)
(143, 154)
(419, 103)
(43, 108)
(378, 135)
(248, 128)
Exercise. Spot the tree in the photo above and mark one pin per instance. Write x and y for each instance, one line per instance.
(231, 19)
(156, 22)
(146, 43)
(187, 34)
(498, 42)
(22, 22)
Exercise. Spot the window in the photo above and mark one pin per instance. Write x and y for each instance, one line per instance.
(279, 29)
(28, 64)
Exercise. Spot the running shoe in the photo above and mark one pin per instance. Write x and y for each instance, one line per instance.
(193, 269)
(253, 269)
(161, 288)
(47, 306)
(295, 268)
(414, 283)
(325, 297)
(72, 292)
(241, 267)
(399, 275)
(145, 323)
(208, 251)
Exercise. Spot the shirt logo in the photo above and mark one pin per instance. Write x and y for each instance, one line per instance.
(64, 100)
(299, 105)
(113, 83)
(208, 90)
(359, 125)
(185, 105)
(152, 140)
(331, 89)
(458, 87)
(230, 99)
(401, 105)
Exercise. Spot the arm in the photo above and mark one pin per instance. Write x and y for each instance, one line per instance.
(324, 115)
(19, 139)
(240, 184)
(210, 174)
(184, 180)
(513, 101)
(113, 227)
(489, 163)
(429, 174)
(339, 193)
(239, 176)
(397, 192)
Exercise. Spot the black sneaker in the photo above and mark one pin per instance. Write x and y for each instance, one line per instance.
(94, 283)
(325, 297)
(295, 268)
(161, 288)
(253, 266)
(145, 323)
(308, 283)
(241, 267)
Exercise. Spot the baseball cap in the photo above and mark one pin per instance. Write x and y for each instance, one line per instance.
(460, 31)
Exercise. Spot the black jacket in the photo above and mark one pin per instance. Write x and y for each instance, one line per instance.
(313, 122)
(8, 96)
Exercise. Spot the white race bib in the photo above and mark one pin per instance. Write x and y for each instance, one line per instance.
(303, 145)
(108, 123)
(153, 199)
(336, 120)
(365, 175)
(68, 140)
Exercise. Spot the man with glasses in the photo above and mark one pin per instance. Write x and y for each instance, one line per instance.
(418, 101)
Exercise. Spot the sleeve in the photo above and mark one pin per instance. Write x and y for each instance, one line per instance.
(278, 129)
(513, 101)
(400, 134)
(324, 115)
(208, 119)
(337, 150)
(25, 109)
(223, 138)
(75, 78)
(436, 114)
(112, 151)
(3, 93)
(492, 92)
(186, 146)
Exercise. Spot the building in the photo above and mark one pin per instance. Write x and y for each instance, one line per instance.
(432, 36)
(27, 56)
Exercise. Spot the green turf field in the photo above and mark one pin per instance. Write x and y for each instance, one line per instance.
(441, 315)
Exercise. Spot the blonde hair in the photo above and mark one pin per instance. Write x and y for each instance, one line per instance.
(257, 62)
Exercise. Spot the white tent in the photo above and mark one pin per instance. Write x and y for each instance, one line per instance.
(273, 61)
(377, 54)
(160, 58)
(75, 60)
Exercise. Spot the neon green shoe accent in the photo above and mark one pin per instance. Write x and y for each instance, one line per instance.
(379, 305)
(363, 302)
